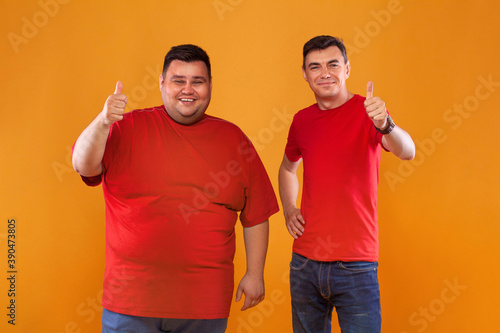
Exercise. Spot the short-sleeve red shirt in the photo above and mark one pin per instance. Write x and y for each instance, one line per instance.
(340, 149)
(173, 194)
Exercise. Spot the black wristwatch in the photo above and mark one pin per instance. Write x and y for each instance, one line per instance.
(389, 128)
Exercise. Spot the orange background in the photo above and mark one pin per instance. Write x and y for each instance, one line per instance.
(435, 63)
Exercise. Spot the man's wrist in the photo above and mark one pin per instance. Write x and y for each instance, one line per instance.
(388, 128)
(287, 207)
(255, 273)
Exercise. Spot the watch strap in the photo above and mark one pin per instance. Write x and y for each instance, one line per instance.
(389, 128)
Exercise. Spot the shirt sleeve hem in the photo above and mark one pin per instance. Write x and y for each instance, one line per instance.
(264, 217)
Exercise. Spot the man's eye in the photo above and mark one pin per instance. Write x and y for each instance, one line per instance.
(197, 82)
(179, 81)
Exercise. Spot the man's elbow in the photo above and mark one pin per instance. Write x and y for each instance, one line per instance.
(85, 170)
(407, 157)
(408, 154)
(76, 165)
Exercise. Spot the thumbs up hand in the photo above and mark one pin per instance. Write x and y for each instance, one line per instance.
(114, 108)
(375, 108)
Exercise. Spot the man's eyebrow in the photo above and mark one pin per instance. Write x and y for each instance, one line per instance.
(313, 64)
(317, 63)
(174, 77)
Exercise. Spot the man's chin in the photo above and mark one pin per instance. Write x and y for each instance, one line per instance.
(331, 90)
(187, 118)
(188, 121)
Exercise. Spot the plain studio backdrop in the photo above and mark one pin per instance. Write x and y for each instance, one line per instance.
(435, 63)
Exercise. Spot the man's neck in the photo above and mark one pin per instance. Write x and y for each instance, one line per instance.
(334, 101)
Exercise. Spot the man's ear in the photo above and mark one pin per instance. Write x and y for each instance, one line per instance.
(348, 69)
(161, 80)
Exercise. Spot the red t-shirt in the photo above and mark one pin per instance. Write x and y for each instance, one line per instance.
(173, 193)
(341, 155)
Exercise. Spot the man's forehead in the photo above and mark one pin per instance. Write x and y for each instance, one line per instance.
(187, 69)
(321, 55)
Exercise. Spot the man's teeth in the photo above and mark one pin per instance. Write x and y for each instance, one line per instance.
(187, 99)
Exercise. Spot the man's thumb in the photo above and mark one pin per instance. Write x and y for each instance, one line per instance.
(239, 293)
(369, 90)
(119, 87)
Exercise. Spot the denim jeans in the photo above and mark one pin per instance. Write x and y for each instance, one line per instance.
(113, 322)
(350, 287)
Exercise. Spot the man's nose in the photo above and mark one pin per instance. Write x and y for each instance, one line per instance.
(325, 74)
(188, 89)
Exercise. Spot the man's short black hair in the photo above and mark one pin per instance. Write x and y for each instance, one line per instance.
(320, 43)
(187, 53)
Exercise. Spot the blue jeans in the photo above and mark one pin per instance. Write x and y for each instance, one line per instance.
(113, 322)
(350, 287)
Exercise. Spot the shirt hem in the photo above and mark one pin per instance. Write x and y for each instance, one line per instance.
(160, 314)
(337, 258)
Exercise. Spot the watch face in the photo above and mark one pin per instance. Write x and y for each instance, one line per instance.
(391, 125)
(389, 128)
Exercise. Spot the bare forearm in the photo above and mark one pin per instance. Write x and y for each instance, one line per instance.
(256, 242)
(400, 143)
(288, 188)
(89, 148)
